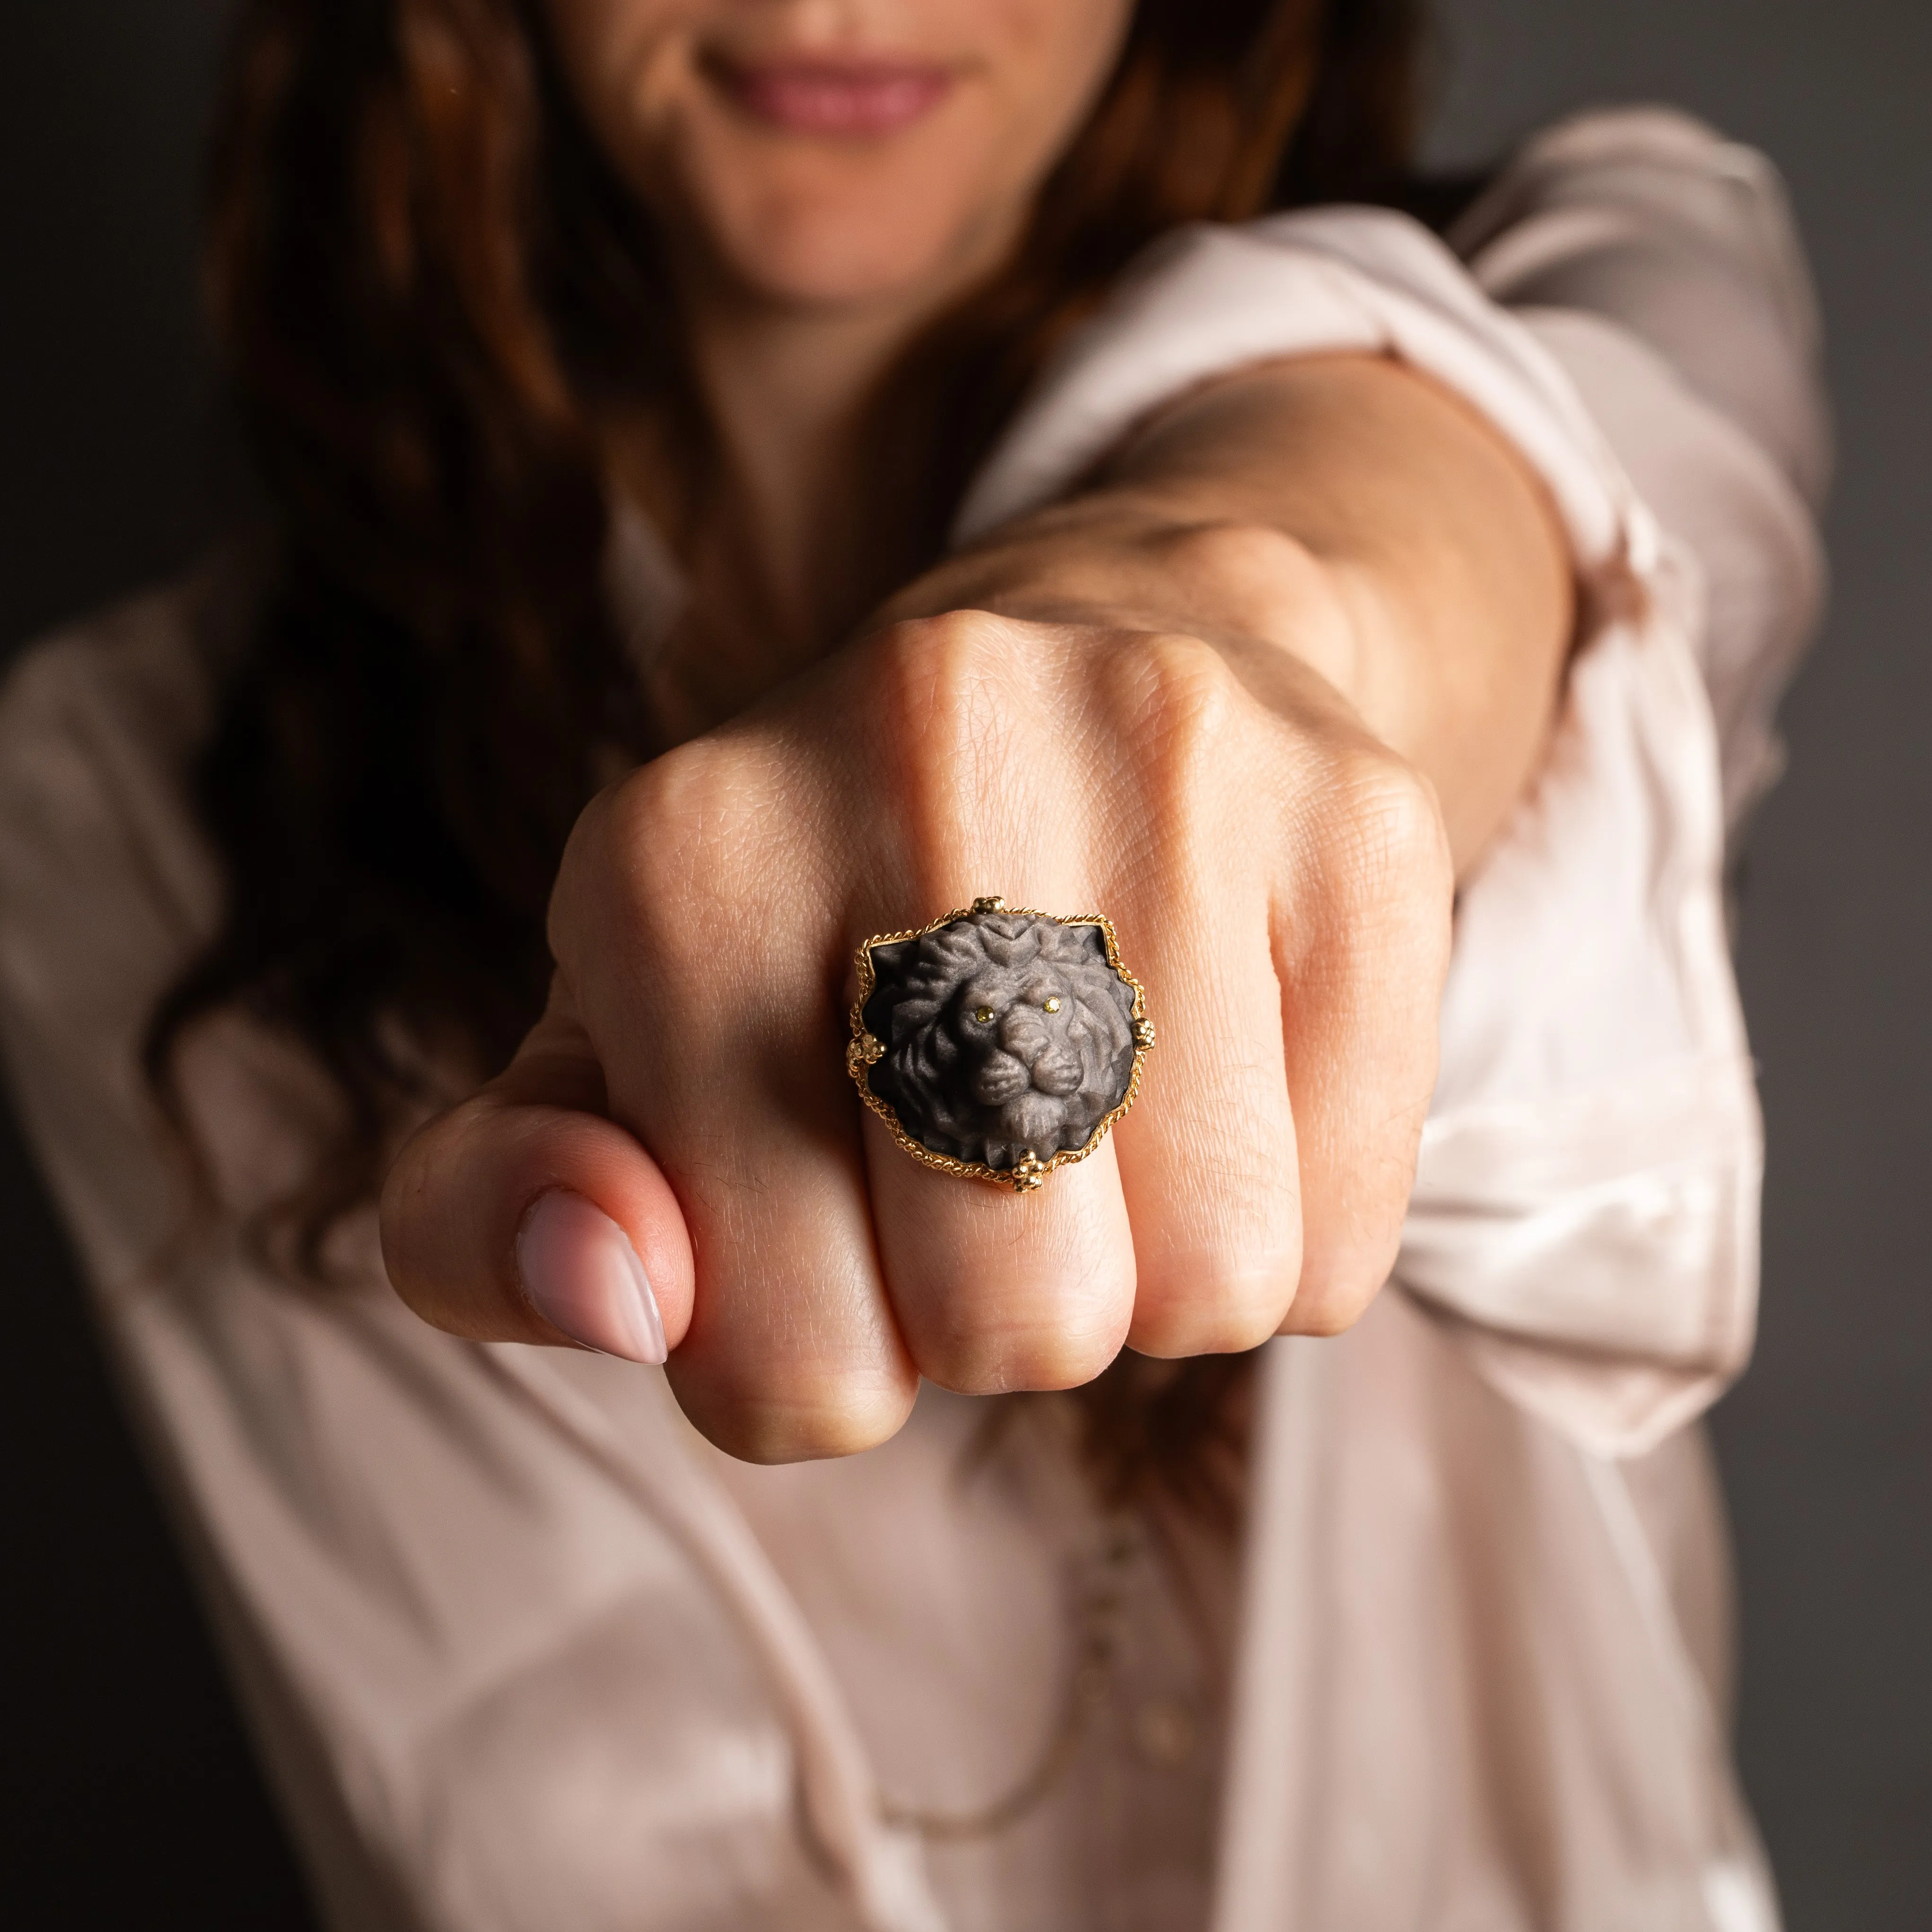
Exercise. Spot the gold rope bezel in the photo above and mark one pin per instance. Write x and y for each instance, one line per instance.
(865, 1050)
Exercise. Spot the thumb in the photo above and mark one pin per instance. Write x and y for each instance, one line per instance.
(525, 1215)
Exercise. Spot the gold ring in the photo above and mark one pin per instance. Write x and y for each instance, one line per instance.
(998, 1043)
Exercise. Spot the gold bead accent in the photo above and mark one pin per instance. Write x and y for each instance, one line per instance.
(993, 902)
(1144, 1033)
(1053, 1004)
(984, 1014)
(1028, 1173)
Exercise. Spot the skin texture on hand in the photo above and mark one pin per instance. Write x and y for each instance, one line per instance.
(1281, 877)
(1256, 692)
(1340, 512)
(1280, 881)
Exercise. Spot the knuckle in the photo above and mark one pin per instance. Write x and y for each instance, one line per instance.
(667, 860)
(983, 1358)
(1383, 852)
(665, 816)
(1222, 1282)
(1353, 1247)
(403, 1211)
(440, 1232)
(1229, 1323)
(1045, 1304)
(1326, 1316)
(943, 679)
(804, 1425)
(940, 676)
(1332, 1303)
(1184, 718)
(948, 698)
(1182, 695)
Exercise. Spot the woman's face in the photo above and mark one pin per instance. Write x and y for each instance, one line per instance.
(827, 153)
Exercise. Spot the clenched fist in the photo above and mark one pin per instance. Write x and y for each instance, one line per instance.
(1255, 696)
(1280, 881)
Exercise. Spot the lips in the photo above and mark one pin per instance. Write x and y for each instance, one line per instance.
(834, 97)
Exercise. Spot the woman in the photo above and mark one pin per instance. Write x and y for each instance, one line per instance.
(783, 401)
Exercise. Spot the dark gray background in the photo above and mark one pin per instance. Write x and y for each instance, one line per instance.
(127, 1782)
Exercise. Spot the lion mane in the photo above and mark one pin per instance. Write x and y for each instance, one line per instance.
(1006, 1033)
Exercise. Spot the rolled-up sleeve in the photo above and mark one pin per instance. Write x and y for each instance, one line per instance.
(1659, 263)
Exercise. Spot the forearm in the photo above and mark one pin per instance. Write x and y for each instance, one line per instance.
(1338, 517)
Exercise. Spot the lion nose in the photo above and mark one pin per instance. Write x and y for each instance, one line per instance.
(1024, 1034)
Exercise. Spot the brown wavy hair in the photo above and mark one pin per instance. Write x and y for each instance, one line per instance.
(431, 289)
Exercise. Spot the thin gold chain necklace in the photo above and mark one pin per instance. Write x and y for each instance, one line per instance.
(1096, 1653)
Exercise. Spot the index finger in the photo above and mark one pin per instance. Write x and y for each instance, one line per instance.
(705, 980)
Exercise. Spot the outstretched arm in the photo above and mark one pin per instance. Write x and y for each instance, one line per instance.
(1246, 693)
(1341, 514)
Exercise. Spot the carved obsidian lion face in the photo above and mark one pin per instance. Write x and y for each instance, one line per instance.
(1005, 1033)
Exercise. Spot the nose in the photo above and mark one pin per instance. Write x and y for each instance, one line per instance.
(1023, 1033)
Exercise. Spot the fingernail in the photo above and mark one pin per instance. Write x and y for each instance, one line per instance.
(583, 1276)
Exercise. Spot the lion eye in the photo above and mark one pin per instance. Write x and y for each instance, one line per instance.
(984, 1014)
(1053, 1003)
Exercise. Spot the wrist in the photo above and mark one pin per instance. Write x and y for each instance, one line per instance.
(1251, 589)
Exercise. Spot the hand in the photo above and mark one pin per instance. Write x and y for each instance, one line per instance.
(1280, 883)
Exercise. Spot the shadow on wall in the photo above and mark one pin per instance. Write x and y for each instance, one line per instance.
(130, 1794)
(1827, 1444)
(119, 464)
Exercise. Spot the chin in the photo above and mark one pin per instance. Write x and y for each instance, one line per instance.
(827, 276)
(833, 235)
(836, 261)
